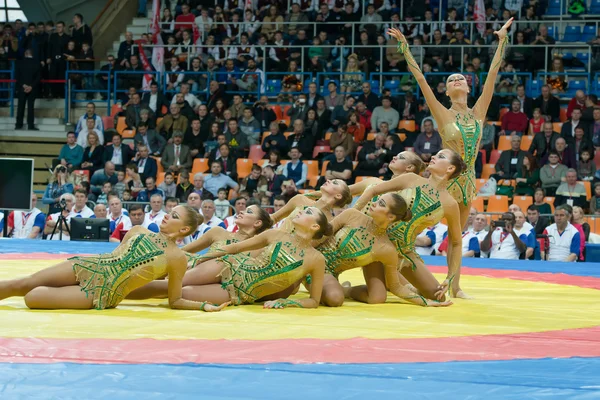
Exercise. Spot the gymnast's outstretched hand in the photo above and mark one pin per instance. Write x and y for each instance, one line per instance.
(504, 30)
(397, 34)
(442, 289)
(214, 308)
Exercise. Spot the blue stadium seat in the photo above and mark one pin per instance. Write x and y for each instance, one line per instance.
(306, 83)
(567, 56)
(392, 85)
(552, 32)
(575, 86)
(595, 7)
(554, 8)
(533, 88)
(375, 86)
(572, 34)
(274, 86)
(589, 32)
(583, 57)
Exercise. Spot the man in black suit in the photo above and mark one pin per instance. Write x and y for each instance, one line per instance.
(155, 142)
(533, 217)
(543, 142)
(510, 161)
(568, 129)
(548, 104)
(214, 93)
(274, 182)
(118, 153)
(299, 109)
(302, 140)
(526, 102)
(147, 166)
(155, 101)
(368, 97)
(28, 75)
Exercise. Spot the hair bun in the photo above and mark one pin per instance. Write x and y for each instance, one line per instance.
(407, 216)
(328, 230)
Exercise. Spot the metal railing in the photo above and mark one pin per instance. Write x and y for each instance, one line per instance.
(7, 85)
(526, 77)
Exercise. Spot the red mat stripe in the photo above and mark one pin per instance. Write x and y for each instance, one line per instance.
(555, 344)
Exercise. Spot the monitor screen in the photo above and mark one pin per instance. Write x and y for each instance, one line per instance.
(90, 229)
(16, 183)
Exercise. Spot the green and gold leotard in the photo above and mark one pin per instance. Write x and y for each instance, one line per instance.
(349, 248)
(248, 278)
(108, 278)
(463, 136)
(426, 208)
(194, 259)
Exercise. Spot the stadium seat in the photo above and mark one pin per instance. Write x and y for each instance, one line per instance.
(550, 201)
(588, 189)
(563, 114)
(374, 86)
(82, 172)
(595, 7)
(523, 202)
(121, 125)
(160, 169)
(503, 111)
(572, 33)
(327, 136)
(393, 85)
(554, 8)
(488, 170)
(160, 178)
(354, 164)
(128, 133)
(584, 58)
(552, 32)
(158, 120)
(320, 149)
(244, 167)
(313, 168)
(200, 165)
(256, 154)
(108, 122)
(358, 150)
(589, 31)
(306, 83)
(576, 85)
(494, 156)
(557, 126)
(324, 167)
(478, 204)
(362, 178)
(497, 204)
(526, 141)
(115, 109)
(273, 86)
(479, 183)
(504, 143)
(533, 88)
(409, 125)
(371, 136)
(287, 134)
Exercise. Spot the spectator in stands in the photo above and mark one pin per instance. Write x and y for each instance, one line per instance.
(264, 113)
(100, 211)
(228, 161)
(176, 157)
(27, 76)
(544, 142)
(117, 215)
(184, 21)
(274, 182)
(586, 166)
(255, 184)
(194, 137)
(132, 114)
(296, 169)
(538, 222)
(71, 153)
(133, 73)
(276, 140)
(339, 167)
(237, 107)
(127, 48)
(502, 241)
(528, 176)
(342, 138)
(386, 113)
(210, 219)
(154, 100)
(552, 174)
(577, 103)
(333, 99)
(151, 189)
(172, 122)
(323, 117)
(51, 222)
(511, 161)
(272, 22)
(82, 139)
(570, 191)
(595, 202)
(27, 224)
(370, 99)
(251, 78)
(250, 127)
(564, 238)
(591, 103)
(371, 21)
(299, 109)
(312, 96)
(364, 115)
(58, 185)
(526, 102)
(239, 205)
(536, 123)
(548, 104)
(566, 155)
(136, 218)
(81, 32)
(237, 140)
(578, 221)
(568, 129)
(216, 179)
(300, 139)
(479, 226)
(93, 154)
(539, 200)
(215, 93)
(168, 185)
(297, 20)
(184, 188)
(194, 201)
(184, 89)
(119, 154)
(576, 144)
(185, 110)
(515, 121)
(146, 165)
(90, 113)
(339, 115)
(80, 208)
(153, 142)
(428, 142)
(429, 240)
(372, 157)
(524, 230)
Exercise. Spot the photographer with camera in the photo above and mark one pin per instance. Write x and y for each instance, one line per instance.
(298, 109)
(57, 225)
(501, 240)
(59, 184)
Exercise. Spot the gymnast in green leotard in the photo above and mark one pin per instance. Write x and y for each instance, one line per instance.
(430, 202)
(103, 281)
(460, 127)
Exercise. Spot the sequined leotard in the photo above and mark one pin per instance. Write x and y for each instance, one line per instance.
(463, 136)
(196, 259)
(108, 278)
(426, 208)
(349, 248)
(248, 278)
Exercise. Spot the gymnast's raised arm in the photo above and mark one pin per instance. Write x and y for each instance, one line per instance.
(393, 185)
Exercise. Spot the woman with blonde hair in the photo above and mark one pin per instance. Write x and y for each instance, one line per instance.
(93, 154)
(59, 184)
(354, 77)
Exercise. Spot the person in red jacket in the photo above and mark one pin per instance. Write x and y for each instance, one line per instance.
(576, 102)
(514, 121)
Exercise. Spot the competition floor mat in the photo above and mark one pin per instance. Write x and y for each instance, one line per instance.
(531, 331)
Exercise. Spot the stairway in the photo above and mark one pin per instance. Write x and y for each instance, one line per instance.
(48, 128)
(138, 27)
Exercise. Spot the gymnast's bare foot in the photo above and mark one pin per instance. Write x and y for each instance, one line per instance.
(459, 294)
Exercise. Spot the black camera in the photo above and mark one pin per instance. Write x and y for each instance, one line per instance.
(63, 204)
(500, 224)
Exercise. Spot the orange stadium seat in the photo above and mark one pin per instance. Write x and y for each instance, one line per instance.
(488, 170)
(320, 149)
(504, 142)
(244, 167)
(264, 136)
(497, 204)
(478, 204)
(108, 122)
(128, 133)
(354, 164)
(327, 136)
(503, 111)
(200, 165)
(256, 154)
(479, 183)
(371, 135)
(121, 125)
(494, 156)
(526, 142)
(409, 125)
(549, 200)
(159, 120)
(313, 168)
(160, 178)
(160, 167)
(324, 167)
(557, 126)
(563, 114)
(523, 202)
(588, 189)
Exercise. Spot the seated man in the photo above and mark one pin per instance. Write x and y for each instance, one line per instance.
(156, 213)
(502, 241)
(117, 215)
(210, 221)
(199, 188)
(176, 157)
(151, 189)
(340, 168)
(470, 245)
(217, 180)
(296, 169)
(274, 182)
(27, 224)
(428, 242)
(71, 154)
(515, 121)
(83, 134)
(137, 217)
(184, 188)
(564, 238)
(428, 142)
(510, 162)
(250, 127)
(571, 192)
(90, 112)
(240, 205)
(100, 211)
(80, 209)
(524, 228)
(372, 157)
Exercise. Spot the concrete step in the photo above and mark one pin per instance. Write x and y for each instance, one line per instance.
(140, 22)
(42, 127)
(28, 134)
(38, 121)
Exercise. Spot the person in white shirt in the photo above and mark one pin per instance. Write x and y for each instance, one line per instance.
(52, 220)
(471, 218)
(210, 221)
(100, 211)
(83, 134)
(428, 242)
(524, 228)
(240, 205)
(189, 97)
(564, 239)
(156, 214)
(204, 23)
(117, 216)
(502, 241)
(90, 112)
(80, 209)
(27, 224)
(296, 169)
